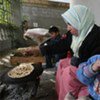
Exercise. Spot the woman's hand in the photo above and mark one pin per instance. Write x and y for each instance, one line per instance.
(96, 66)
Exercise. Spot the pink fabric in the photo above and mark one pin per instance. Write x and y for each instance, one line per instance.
(66, 80)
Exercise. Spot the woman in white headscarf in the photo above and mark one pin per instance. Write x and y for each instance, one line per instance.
(85, 41)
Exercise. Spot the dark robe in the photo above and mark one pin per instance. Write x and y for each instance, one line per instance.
(90, 46)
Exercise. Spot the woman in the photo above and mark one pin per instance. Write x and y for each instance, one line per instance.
(86, 38)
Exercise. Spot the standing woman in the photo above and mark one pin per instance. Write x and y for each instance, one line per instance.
(85, 41)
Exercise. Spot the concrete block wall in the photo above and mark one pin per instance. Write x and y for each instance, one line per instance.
(43, 16)
(8, 37)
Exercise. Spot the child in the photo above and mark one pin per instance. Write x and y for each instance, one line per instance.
(55, 37)
(89, 74)
(56, 47)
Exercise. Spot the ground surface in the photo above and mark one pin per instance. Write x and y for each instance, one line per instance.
(46, 89)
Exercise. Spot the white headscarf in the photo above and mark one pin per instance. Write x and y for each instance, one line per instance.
(82, 19)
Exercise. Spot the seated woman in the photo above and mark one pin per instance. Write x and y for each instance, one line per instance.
(85, 39)
(89, 74)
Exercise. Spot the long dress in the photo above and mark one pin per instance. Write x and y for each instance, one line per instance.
(66, 80)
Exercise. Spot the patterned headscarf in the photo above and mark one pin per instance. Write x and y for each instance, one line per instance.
(82, 19)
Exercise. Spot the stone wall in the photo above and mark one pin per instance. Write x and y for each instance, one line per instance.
(43, 16)
(8, 37)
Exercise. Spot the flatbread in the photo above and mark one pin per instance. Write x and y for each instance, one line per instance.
(21, 71)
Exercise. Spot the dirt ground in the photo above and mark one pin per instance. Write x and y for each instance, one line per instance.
(46, 90)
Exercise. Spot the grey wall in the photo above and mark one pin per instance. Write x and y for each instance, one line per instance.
(94, 5)
(7, 38)
(44, 17)
(16, 12)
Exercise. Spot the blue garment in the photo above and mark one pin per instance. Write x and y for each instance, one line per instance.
(86, 75)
